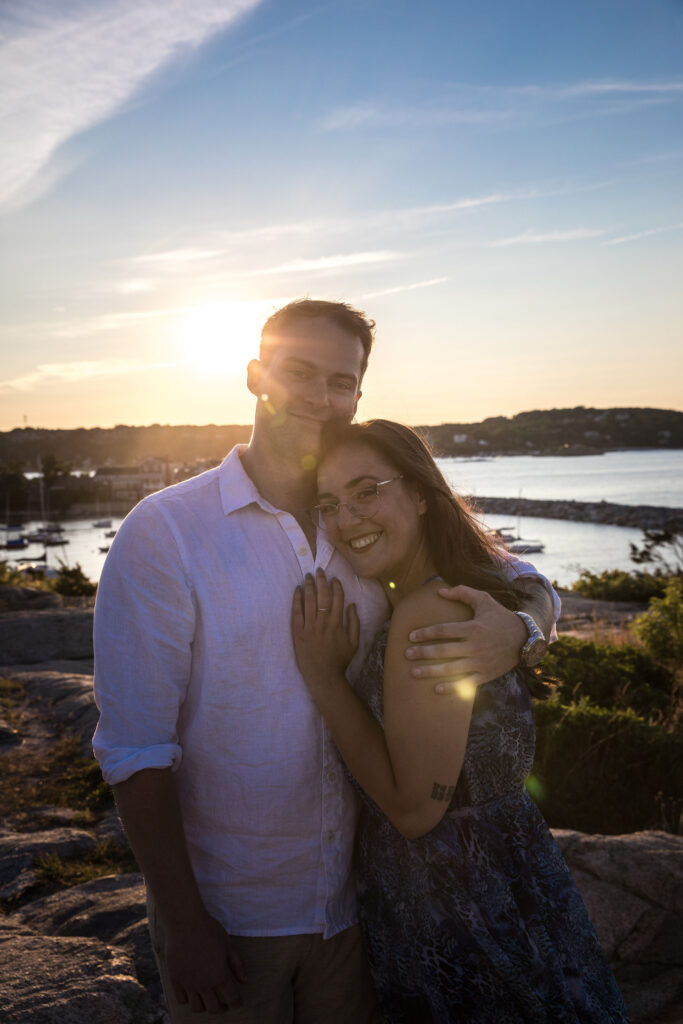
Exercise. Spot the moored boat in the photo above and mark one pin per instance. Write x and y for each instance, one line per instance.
(524, 547)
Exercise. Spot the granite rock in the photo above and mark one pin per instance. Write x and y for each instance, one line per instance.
(59, 980)
(66, 699)
(27, 637)
(19, 852)
(632, 886)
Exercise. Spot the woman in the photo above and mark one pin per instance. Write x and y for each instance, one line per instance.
(468, 909)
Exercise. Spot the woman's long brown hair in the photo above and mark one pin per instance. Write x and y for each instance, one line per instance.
(462, 551)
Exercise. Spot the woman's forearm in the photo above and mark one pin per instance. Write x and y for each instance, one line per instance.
(362, 743)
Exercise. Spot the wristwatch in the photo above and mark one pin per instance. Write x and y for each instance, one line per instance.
(533, 650)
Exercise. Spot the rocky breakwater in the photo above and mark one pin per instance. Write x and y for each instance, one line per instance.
(644, 517)
(72, 953)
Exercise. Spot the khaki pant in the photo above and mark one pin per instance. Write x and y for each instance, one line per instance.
(292, 979)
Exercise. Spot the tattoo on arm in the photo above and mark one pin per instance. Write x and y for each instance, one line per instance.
(441, 792)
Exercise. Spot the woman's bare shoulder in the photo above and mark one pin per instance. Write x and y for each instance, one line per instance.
(426, 607)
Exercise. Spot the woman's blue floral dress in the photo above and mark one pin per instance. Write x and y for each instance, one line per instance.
(479, 921)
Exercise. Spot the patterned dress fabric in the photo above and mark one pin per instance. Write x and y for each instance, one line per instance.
(479, 921)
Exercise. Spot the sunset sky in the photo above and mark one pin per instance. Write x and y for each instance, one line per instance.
(498, 183)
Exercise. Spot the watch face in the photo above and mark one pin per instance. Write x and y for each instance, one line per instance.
(534, 652)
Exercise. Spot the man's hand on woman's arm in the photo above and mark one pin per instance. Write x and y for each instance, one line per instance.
(484, 647)
(204, 967)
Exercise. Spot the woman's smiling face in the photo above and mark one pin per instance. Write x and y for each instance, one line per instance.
(387, 544)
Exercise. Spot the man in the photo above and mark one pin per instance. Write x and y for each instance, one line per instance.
(226, 780)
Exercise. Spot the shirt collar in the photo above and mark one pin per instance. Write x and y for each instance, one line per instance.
(237, 489)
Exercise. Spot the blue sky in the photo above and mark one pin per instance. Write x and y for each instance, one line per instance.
(498, 184)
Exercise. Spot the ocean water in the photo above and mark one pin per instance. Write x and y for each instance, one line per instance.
(626, 478)
(629, 478)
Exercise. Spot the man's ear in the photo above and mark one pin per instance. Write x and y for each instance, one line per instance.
(254, 373)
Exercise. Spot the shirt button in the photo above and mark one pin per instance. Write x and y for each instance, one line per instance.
(330, 836)
(331, 776)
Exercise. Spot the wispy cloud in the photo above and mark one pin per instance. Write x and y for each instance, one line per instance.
(364, 115)
(643, 234)
(479, 105)
(617, 87)
(136, 286)
(405, 288)
(353, 259)
(173, 258)
(72, 372)
(208, 250)
(66, 67)
(107, 322)
(539, 237)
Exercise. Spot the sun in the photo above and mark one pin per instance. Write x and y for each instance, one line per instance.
(219, 338)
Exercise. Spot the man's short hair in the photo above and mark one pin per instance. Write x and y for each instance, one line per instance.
(349, 319)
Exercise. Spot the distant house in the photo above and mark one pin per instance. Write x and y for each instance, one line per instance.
(132, 483)
(460, 438)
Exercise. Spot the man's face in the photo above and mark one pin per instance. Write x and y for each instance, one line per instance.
(311, 375)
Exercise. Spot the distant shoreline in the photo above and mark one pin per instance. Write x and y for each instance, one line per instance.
(568, 431)
(644, 517)
(603, 512)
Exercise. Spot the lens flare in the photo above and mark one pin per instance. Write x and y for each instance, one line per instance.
(466, 689)
(270, 408)
(535, 789)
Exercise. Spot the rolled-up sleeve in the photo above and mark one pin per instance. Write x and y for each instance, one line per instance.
(144, 626)
(517, 569)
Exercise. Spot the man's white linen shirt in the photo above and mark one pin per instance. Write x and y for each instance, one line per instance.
(195, 670)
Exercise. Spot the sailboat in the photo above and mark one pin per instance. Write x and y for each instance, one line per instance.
(49, 534)
(517, 545)
(14, 539)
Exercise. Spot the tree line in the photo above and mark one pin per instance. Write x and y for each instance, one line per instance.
(547, 431)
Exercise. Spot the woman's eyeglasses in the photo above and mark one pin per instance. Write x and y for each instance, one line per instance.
(363, 505)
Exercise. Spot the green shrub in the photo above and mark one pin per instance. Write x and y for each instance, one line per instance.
(72, 582)
(617, 585)
(660, 629)
(8, 574)
(606, 770)
(622, 677)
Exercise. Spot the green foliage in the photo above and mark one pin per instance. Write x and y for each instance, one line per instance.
(605, 770)
(13, 486)
(664, 548)
(62, 776)
(53, 468)
(613, 677)
(617, 585)
(660, 629)
(580, 428)
(72, 582)
(11, 690)
(8, 574)
(54, 873)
